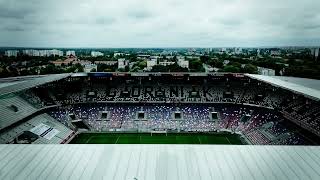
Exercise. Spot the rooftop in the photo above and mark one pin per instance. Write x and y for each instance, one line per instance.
(307, 87)
(15, 84)
(137, 162)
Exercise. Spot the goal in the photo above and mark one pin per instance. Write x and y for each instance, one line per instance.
(159, 132)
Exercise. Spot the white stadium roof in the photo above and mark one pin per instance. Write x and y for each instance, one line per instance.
(140, 162)
(307, 87)
(15, 84)
(310, 83)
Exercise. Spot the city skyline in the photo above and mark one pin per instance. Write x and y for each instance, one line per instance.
(165, 24)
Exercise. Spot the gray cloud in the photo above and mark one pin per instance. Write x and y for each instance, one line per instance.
(13, 29)
(105, 20)
(124, 23)
(12, 13)
(139, 14)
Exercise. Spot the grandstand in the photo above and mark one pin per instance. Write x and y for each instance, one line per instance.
(260, 110)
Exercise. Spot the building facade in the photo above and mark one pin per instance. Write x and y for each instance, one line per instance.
(266, 71)
(11, 53)
(96, 53)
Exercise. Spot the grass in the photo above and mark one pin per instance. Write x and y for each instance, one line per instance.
(146, 138)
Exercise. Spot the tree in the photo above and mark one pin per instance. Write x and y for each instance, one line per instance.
(79, 67)
(51, 69)
(250, 68)
(142, 64)
(236, 64)
(126, 69)
(70, 69)
(135, 69)
(121, 70)
(196, 65)
(176, 68)
(175, 59)
(231, 69)
(219, 64)
(106, 68)
(159, 68)
(204, 59)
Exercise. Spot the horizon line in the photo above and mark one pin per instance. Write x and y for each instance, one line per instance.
(177, 47)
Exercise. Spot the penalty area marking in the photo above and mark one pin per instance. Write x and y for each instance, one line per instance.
(228, 140)
(199, 140)
(117, 140)
(88, 140)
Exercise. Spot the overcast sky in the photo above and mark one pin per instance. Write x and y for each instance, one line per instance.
(159, 23)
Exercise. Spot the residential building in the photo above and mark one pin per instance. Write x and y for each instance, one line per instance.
(110, 63)
(143, 56)
(182, 62)
(275, 53)
(315, 52)
(96, 53)
(90, 68)
(266, 71)
(71, 53)
(166, 63)
(65, 62)
(238, 50)
(122, 63)
(31, 52)
(151, 63)
(55, 52)
(42, 53)
(170, 57)
(118, 54)
(226, 62)
(10, 53)
(84, 62)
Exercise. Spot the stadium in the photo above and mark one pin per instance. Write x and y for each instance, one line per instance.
(195, 110)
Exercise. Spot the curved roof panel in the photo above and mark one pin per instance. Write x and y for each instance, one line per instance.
(306, 87)
(154, 162)
(11, 85)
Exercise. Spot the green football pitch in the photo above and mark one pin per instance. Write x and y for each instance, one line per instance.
(146, 138)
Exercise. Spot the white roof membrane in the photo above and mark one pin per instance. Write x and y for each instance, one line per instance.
(309, 88)
(155, 162)
(20, 85)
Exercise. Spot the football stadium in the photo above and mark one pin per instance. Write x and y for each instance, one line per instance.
(159, 126)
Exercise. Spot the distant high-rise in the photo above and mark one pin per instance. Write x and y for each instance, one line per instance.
(96, 53)
(315, 52)
(10, 53)
(266, 71)
(182, 62)
(33, 52)
(71, 53)
(55, 52)
(238, 50)
(122, 63)
(275, 52)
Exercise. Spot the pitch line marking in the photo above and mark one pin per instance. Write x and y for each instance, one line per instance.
(228, 140)
(117, 140)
